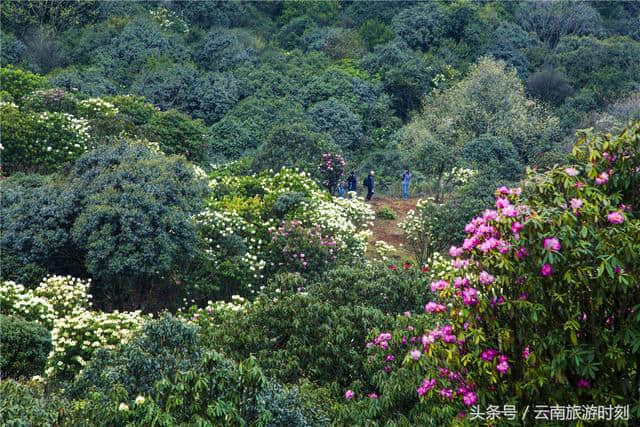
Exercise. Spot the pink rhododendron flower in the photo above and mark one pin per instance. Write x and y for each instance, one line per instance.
(447, 393)
(485, 278)
(546, 270)
(439, 285)
(372, 395)
(522, 252)
(490, 215)
(349, 394)
(469, 243)
(503, 365)
(602, 179)
(576, 204)
(459, 282)
(470, 296)
(503, 247)
(515, 191)
(455, 251)
(488, 244)
(523, 296)
(470, 398)
(517, 227)
(502, 202)
(615, 218)
(390, 358)
(425, 269)
(551, 244)
(393, 267)
(510, 212)
(571, 171)
(415, 354)
(503, 190)
(526, 353)
(432, 307)
(406, 266)
(489, 354)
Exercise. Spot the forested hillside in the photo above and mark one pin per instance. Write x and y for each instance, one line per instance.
(175, 248)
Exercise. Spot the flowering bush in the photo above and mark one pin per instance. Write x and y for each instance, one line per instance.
(18, 301)
(41, 139)
(65, 294)
(247, 226)
(418, 227)
(74, 338)
(331, 170)
(61, 303)
(543, 303)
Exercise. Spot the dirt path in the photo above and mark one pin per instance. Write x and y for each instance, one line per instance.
(388, 230)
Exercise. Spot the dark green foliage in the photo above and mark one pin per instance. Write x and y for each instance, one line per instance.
(549, 86)
(608, 67)
(176, 133)
(334, 118)
(122, 214)
(422, 26)
(25, 347)
(494, 154)
(249, 123)
(405, 76)
(373, 33)
(134, 223)
(314, 334)
(163, 348)
(22, 405)
(91, 81)
(222, 50)
(292, 146)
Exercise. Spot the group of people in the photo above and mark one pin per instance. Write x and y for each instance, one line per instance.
(369, 183)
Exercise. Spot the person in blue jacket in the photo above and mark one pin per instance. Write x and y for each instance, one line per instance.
(341, 189)
(369, 183)
(406, 180)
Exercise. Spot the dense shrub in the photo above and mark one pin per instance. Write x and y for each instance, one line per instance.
(549, 85)
(122, 215)
(25, 347)
(176, 133)
(26, 404)
(161, 348)
(334, 118)
(494, 154)
(19, 83)
(421, 27)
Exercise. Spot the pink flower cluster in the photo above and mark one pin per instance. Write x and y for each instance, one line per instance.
(490, 354)
(427, 385)
(432, 307)
(439, 285)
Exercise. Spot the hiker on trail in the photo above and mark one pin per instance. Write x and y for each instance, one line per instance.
(341, 189)
(369, 182)
(352, 182)
(406, 180)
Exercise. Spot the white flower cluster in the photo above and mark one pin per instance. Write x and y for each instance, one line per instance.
(74, 338)
(61, 134)
(416, 225)
(95, 107)
(62, 303)
(459, 176)
(215, 225)
(440, 265)
(168, 19)
(16, 300)
(384, 249)
(66, 294)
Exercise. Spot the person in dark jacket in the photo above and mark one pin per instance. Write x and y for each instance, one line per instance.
(352, 182)
(369, 183)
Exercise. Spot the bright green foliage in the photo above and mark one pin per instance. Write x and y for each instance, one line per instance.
(25, 347)
(19, 83)
(385, 212)
(373, 33)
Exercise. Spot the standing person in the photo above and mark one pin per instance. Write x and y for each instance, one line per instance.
(406, 180)
(352, 182)
(369, 183)
(341, 189)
